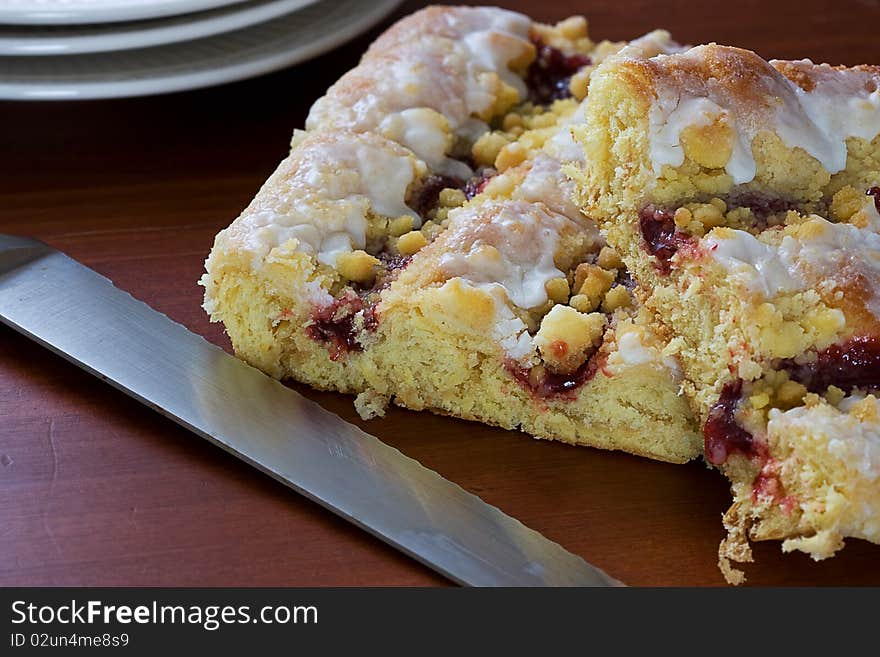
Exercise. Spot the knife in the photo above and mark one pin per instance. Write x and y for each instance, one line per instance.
(81, 316)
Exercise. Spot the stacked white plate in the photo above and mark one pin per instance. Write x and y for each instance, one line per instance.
(63, 49)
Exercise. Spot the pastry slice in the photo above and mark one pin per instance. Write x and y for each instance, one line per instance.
(410, 252)
(500, 308)
(743, 196)
(351, 184)
(481, 324)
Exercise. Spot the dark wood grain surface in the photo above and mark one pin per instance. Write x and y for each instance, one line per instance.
(97, 490)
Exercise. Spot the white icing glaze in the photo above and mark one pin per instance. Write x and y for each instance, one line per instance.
(380, 95)
(471, 129)
(319, 200)
(632, 351)
(516, 256)
(834, 252)
(758, 266)
(491, 38)
(460, 22)
(562, 145)
(672, 114)
(480, 56)
(636, 345)
(385, 178)
(492, 52)
(510, 331)
(657, 42)
(448, 71)
(426, 132)
(841, 104)
(546, 183)
(317, 295)
(845, 436)
(834, 112)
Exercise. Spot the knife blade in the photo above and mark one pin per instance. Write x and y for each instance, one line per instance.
(81, 316)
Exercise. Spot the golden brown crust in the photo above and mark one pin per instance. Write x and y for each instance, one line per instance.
(701, 71)
(448, 22)
(301, 187)
(481, 224)
(808, 75)
(433, 80)
(739, 79)
(365, 95)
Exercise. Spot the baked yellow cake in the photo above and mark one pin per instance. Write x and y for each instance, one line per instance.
(743, 196)
(420, 245)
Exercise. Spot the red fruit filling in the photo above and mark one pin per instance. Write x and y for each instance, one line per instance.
(371, 319)
(544, 383)
(853, 364)
(875, 192)
(391, 263)
(548, 76)
(334, 325)
(763, 207)
(662, 239)
(426, 197)
(722, 434)
(478, 183)
(624, 278)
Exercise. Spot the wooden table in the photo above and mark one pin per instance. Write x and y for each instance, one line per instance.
(97, 490)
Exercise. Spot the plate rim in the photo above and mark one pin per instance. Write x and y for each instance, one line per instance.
(202, 24)
(91, 14)
(175, 82)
